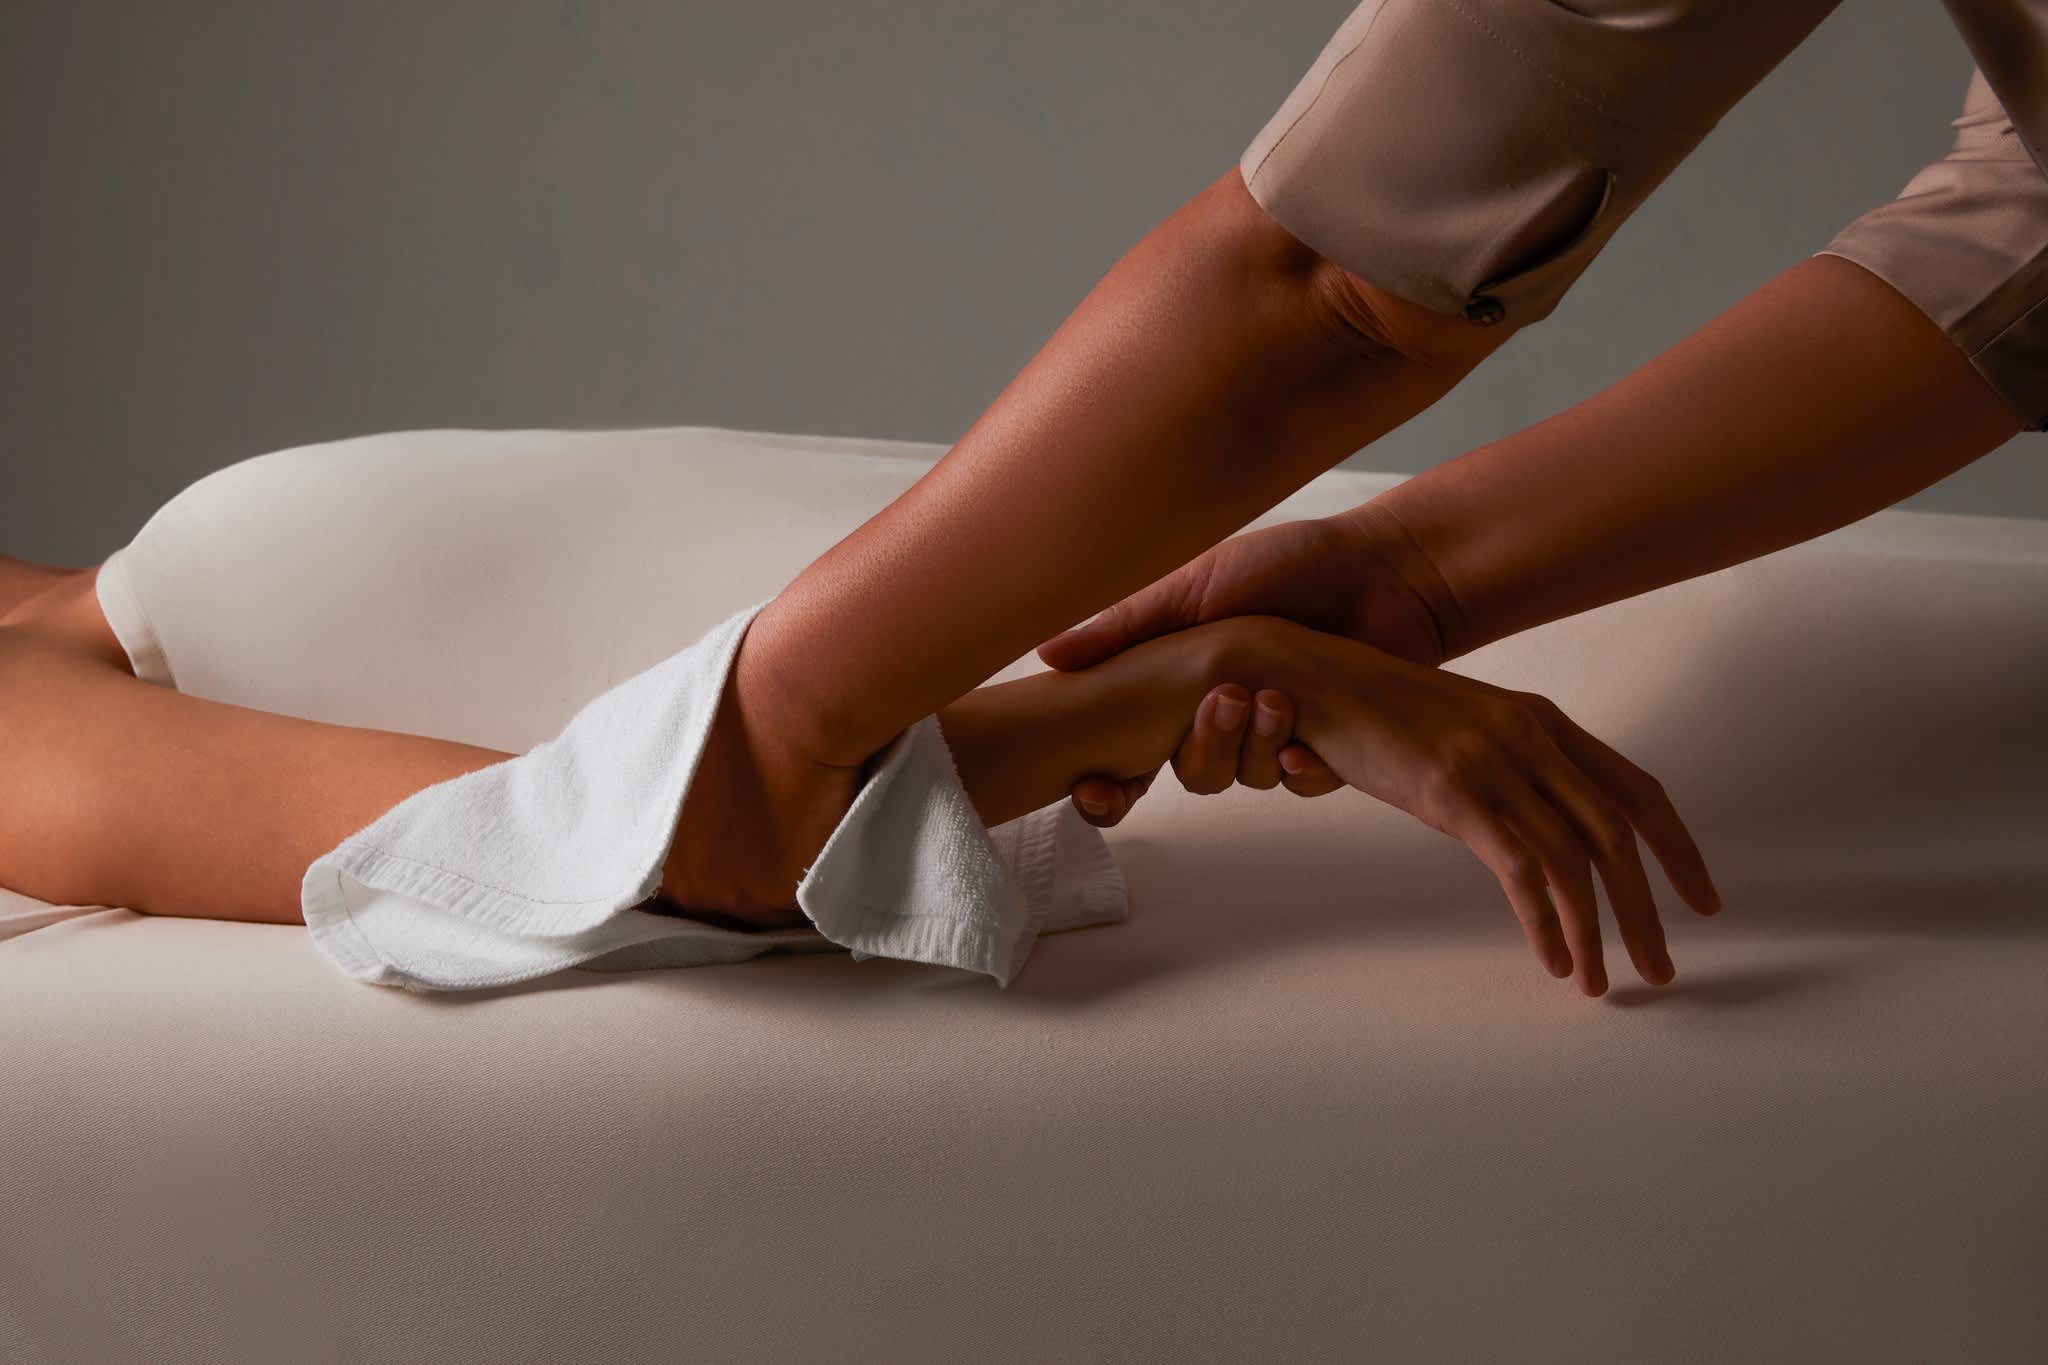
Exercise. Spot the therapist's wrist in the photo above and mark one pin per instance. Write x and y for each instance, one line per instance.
(1405, 606)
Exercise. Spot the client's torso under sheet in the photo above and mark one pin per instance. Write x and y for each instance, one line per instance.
(1315, 1100)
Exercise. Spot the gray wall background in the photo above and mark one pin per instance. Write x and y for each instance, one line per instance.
(236, 225)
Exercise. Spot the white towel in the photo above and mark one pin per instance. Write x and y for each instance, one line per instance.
(536, 864)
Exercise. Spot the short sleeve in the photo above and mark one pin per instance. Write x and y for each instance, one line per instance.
(1474, 156)
(1967, 242)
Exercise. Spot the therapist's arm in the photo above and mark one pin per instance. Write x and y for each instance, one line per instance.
(1218, 366)
(1820, 398)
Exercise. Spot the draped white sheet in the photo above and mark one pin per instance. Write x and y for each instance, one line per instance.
(1315, 1099)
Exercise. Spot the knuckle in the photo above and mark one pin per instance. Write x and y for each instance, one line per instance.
(1502, 713)
(1116, 619)
(1526, 732)
(1560, 844)
(1610, 837)
(1445, 805)
(1466, 758)
(1442, 790)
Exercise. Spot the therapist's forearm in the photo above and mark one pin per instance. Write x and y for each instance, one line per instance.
(1820, 398)
(1197, 384)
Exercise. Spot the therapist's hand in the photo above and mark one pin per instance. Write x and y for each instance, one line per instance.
(1340, 575)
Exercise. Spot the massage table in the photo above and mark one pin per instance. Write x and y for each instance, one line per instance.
(1314, 1100)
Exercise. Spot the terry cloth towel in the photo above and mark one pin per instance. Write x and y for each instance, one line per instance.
(537, 863)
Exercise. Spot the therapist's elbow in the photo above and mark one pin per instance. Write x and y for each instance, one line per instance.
(1361, 314)
(1343, 311)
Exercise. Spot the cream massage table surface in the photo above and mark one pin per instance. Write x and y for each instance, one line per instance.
(1314, 1100)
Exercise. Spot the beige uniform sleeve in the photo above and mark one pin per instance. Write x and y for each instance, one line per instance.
(1474, 156)
(1967, 242)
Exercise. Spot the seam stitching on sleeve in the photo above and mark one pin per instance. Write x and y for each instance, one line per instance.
(1350, 52)
(1541, 69)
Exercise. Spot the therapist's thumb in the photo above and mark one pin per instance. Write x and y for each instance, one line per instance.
(1171, 604)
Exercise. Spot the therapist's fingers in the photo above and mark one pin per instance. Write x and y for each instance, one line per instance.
(1172, 603)
(1305, 773)
(1272, 721)
(1206, 762)
(1104, 801)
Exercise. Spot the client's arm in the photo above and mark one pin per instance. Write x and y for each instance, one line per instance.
(1535, 797)
(114, 791)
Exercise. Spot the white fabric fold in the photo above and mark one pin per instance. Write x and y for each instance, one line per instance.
(539, 863)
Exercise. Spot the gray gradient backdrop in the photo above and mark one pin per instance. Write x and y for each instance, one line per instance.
(235, 226)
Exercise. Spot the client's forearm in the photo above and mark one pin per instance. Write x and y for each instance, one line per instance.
(1022, 744)
(1197, 384)
(118, 792)
(1819, 399)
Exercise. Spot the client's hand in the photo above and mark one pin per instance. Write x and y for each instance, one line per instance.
(1341, 575)
(1535, 797)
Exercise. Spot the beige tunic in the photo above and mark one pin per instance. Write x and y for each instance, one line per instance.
(1475, 155)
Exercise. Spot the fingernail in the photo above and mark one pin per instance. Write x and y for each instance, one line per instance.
(1094, 807)
(1229, 712)
(1664, 967)
(1268, 721)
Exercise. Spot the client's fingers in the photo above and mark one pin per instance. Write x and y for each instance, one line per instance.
(1206, 762)
(1611, 840)
(1520, 871)
(1567, 866)
(1644, 800)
